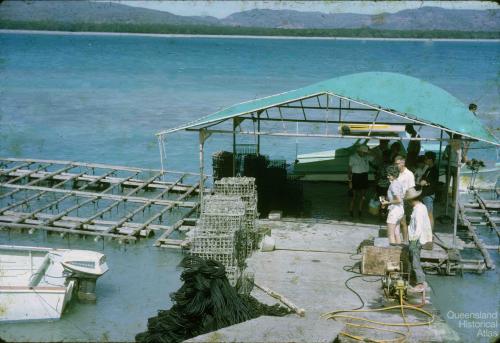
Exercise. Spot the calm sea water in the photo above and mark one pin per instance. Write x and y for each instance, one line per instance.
(102, 98)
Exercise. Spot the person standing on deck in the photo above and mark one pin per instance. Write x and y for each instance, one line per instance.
(420, 233)
(429, 182)
(451, 157)
(394, 202)
(396, 149)
(357, 175)
(408, 181)
(413, 148)
(420, 169)
(379, 151)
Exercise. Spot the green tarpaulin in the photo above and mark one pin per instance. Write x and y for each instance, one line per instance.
(405, 95)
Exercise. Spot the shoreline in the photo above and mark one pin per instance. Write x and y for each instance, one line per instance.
(173, 35)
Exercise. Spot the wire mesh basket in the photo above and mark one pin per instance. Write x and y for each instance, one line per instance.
(228, 260)
(222, 214)
(215, 244)
(242, 186)
(217, 224)
(223, 204)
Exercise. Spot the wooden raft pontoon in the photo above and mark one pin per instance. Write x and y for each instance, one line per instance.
(481, 212)
(94, 199)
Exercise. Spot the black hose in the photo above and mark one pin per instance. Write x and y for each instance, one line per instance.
(356, 293)
(350, 269)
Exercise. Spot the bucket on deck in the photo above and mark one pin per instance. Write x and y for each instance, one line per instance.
(374, 207)
(268, 244)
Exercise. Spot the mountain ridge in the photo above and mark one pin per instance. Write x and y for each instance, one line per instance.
(423, 18)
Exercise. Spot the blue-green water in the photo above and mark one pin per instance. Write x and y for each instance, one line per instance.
(106, 96)
(102, 98)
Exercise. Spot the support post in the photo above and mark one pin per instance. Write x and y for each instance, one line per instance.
(161, 147)
(439, 153)
(340, 110)
(448, 180)
(203, 136)
(456, 191)
(234, 146)
(258, 136)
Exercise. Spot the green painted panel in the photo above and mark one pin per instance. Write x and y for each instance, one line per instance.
(414, 98)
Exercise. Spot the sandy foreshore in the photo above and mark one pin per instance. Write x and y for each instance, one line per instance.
(168, 35)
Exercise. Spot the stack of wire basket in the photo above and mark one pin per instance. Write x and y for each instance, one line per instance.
(220, 225)
(243, 187)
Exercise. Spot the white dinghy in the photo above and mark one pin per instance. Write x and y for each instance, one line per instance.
(37, 283)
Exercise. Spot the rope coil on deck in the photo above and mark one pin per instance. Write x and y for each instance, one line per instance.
(401, 306)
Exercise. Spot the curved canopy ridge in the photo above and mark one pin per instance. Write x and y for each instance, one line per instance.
(410, 97)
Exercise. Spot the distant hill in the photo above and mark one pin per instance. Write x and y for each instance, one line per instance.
(92, 12)
(296, 20)
(423, 19)
(436, 18)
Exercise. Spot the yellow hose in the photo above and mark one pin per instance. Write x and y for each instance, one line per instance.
(364, 339)
(401, 306)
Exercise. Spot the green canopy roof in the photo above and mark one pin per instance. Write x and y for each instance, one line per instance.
(400, 94)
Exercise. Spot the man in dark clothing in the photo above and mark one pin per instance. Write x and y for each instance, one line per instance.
(429, 183)
(413, 148)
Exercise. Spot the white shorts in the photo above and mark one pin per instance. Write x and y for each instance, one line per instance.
(395, 215)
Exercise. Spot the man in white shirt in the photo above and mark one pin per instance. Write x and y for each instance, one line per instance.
(420, 233)
(359, 166)
(407, 180)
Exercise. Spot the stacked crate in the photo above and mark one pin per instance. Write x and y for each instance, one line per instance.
(243, 187)
(220, 225)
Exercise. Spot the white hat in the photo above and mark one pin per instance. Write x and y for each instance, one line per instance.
(412, 193)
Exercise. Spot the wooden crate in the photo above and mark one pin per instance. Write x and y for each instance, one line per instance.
(375, 258)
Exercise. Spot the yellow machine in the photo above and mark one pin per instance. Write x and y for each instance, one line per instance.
(395, 282)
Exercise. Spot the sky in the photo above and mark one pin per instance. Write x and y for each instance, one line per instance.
(222, 9)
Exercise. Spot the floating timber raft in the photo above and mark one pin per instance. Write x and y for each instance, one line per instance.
(484, 213)
(94, 199)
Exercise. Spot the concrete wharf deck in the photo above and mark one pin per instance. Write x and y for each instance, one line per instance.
(307, 267)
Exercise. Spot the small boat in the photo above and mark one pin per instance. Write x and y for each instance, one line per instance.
(329, 165)
(37, 283)
(332, 165)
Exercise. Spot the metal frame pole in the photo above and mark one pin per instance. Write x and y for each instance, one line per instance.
(340, 110)
(327, 136)
(160, 146)
(448, 180)
(202, 137)
(439, 153)
(457, 182)
(234, 146)
(258, 136)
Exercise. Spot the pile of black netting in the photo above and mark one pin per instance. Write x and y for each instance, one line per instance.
(205, 302)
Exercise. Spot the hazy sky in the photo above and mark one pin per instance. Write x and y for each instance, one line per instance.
(221, 9)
